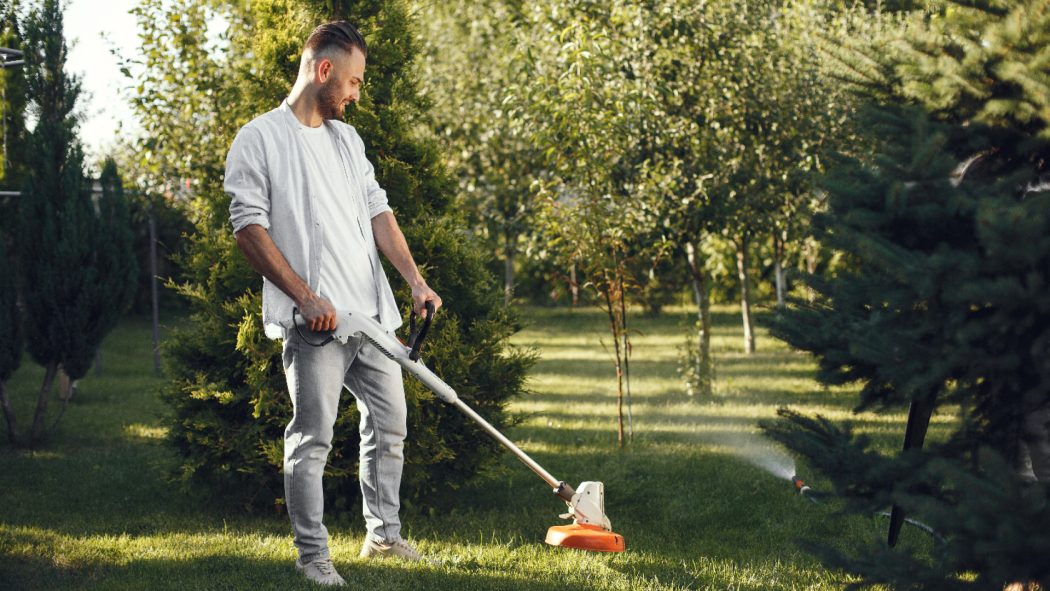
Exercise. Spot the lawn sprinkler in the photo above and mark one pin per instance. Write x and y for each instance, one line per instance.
(800, 486)
(590, 529)
(804, 490)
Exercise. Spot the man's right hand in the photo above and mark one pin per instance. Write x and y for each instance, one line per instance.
(319, 313)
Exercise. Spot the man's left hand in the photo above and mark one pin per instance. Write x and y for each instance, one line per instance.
(422, 294)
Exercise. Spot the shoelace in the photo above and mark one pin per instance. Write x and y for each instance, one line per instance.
(325, 566)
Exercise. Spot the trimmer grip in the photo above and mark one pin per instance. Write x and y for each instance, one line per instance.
(415, 341)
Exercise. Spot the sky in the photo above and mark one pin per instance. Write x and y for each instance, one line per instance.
(93, 28)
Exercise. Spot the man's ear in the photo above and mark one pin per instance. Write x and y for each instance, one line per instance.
(324, 69)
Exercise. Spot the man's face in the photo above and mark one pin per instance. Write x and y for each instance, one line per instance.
(341, 80)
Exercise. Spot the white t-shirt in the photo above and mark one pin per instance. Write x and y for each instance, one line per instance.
(347, 279)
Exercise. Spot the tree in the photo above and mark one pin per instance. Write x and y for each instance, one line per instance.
(12, 82)
(75, 260)
(945, 223)
(470, 64)
(10, 340)
(588, 97)
(228, 393)
(742, 117)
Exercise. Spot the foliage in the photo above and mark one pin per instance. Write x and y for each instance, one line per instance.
(228, 391)
(12, 87)
(11, 339)
(993, 523)
(589, 98)
(470, 74)
(12, 82)
(946, 226)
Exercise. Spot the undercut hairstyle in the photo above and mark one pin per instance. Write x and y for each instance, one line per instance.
(336, 35)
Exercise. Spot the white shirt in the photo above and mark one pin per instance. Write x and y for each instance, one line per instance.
(346, 269)
(268, 182)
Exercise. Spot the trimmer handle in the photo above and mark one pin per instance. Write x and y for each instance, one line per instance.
(415, 340)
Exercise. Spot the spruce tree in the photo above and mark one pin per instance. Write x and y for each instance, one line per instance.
(228, 392)
(946, 223)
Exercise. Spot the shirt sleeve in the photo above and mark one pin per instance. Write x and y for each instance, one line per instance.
(247, 182)
(374, 194)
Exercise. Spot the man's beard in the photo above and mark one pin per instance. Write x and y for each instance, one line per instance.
(329, 103)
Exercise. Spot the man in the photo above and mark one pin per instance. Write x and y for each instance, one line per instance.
(309, 216)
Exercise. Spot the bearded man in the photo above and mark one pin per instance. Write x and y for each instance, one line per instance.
(309, 216)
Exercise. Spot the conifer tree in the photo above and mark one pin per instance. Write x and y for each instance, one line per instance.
(74, 262)
(228, 392)
(946, 224)
(10, 339)
(12, 83)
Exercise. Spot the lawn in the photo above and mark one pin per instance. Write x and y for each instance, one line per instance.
(694, 493)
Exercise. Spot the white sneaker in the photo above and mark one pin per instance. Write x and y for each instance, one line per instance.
(398, 549)
(321, 571)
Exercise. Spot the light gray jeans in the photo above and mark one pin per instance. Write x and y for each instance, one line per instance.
(316, 377)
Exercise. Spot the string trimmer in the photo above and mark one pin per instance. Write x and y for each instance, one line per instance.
(590, 530)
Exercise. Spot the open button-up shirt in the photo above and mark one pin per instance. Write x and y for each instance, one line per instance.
(267, 181)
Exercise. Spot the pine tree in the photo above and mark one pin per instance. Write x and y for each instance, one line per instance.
(947, 227)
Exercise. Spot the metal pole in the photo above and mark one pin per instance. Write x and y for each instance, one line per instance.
(559, 487)
(153, 290)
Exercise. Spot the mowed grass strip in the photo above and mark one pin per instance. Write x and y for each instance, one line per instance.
(700, 497)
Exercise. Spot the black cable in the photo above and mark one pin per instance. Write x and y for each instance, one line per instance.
(303, 337)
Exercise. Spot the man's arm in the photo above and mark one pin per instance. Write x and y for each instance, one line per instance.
(391, 243)
(258, 247)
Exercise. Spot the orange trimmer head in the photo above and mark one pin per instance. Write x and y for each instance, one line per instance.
(585, 537)
(590, 529)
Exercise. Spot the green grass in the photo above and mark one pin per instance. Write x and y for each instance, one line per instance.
(93, 510)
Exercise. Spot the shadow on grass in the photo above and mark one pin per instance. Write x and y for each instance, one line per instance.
(238, 572)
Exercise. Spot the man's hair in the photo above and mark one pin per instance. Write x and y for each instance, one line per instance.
(336, 35)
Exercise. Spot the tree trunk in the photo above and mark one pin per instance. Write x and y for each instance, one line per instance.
(154, 290)
(98, 361)
(9, 417)
(616, 327)
(573, 287)
(66, 386)
(778, 266)
(811, 253)
(703, 368)
(626, 354)
(745, 291)
(508, 273)
(37, 432)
